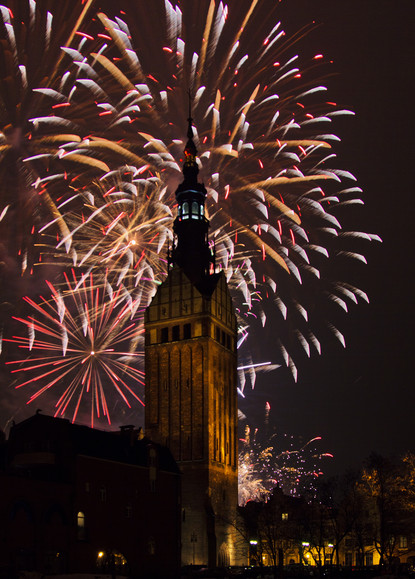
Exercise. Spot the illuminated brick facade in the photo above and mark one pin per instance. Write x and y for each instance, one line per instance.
(191, 404)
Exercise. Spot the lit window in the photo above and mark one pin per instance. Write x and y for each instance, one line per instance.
(195, 210)
(80, 523)
(80, 520)
(185, 210)
(403, 543)
(284, 516)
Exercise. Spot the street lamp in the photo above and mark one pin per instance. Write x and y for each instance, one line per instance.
(304, 557)
(253, 553)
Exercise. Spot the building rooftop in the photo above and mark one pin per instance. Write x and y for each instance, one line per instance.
(58, 435)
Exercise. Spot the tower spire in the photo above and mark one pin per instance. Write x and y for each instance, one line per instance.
(189, 119)
(190, 168)
(191, 251)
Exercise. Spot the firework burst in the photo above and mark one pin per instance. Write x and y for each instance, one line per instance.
(82, 342)
(30, 40)
(280, 460)
(119, 221)
(106, 149)
(262, 128)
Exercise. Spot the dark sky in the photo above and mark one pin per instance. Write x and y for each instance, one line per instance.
(363, 398)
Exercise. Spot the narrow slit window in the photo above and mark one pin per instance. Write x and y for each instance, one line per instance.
(176, 333)
(187, 331)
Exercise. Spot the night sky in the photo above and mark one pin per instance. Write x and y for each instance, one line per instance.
(360, 398)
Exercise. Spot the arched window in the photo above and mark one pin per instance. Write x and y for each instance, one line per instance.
(151, 546)
(185, 210)
(103, 494)
(195, 210)
(80, 523)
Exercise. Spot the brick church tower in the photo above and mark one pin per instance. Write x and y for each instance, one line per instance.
(190, 393)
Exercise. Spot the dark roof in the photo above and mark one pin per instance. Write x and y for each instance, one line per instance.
(208, 283)
(77, 439)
